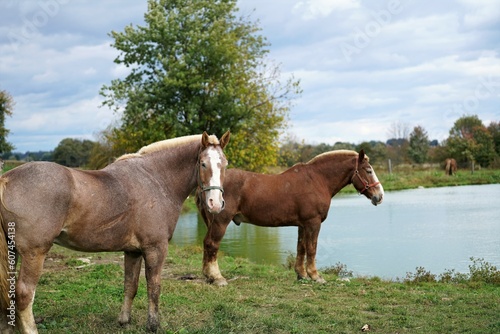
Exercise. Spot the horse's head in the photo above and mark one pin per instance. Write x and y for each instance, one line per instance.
(211, 170)
(365, 181)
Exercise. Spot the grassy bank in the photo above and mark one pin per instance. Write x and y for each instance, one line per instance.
(411, 178)
(75, 297)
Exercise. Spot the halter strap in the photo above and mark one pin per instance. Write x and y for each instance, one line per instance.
(365, 182)
(207, 188)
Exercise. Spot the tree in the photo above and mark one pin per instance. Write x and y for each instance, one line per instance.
(398, 130)
(462, 128)
(290, 150)
(397, 145)
(485, 147)
(469, 140)
(73, 152)
(6, 107)
(418, 145)
(196, 67)
(494, 130)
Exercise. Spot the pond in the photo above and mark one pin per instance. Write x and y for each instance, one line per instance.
(436, 228)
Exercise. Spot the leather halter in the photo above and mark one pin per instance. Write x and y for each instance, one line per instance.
(207, 188)
(365, 182)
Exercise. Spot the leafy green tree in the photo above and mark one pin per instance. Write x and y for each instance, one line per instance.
(469, 140)
(494, 130)
(73, 152)
(485, 147)
(418, 145)
(6, 107)
(463, 127)
(195, 66)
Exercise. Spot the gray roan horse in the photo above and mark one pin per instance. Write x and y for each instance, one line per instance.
(132, 205)
(300, 196)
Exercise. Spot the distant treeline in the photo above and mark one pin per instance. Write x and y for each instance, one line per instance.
(470, 142)
(29, 156)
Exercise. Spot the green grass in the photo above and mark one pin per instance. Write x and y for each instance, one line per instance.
(265, 299)
(409, 178)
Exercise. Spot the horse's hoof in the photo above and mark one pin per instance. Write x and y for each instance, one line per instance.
(152, 328)
(320, 280)
(153, 324)
(124, 319)
(220, 282)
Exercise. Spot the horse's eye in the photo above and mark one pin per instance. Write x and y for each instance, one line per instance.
(203, 165)
(369, 171)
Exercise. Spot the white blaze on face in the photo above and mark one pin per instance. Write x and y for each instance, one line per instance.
(375, 178)
(214, 196)
(380, 187)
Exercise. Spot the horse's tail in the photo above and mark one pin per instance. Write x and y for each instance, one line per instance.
(4, 284)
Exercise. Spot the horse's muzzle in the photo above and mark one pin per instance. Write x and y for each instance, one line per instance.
(377, 199)
(215, 206)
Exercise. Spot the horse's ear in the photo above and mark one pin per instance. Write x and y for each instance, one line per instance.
(204, 139)
(361, 156)
(225, 139)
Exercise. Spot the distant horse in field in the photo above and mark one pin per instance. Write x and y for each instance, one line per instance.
(132, 205)
(300, 196)
(450, 167)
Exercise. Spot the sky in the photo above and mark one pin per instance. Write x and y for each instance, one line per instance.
(364, 65)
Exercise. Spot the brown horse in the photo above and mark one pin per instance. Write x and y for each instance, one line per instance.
(300, 196)
(132, 205)
(450, 167)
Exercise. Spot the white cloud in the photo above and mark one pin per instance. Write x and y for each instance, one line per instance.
(311, 9)
(426, 64)
(480, 13)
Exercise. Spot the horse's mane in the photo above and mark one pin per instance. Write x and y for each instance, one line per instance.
(330, 154)
(168, 143)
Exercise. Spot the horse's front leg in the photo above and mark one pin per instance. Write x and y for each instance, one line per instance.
(133, 263)
(300, 270)
(153, 259)
(312, 232)
(29, 274)
(211, 244)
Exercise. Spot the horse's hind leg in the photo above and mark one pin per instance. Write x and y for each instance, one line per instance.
(300, 270)
(311, 233)
(153, 259)
(133, 263)
(5, 327)
(29, 274)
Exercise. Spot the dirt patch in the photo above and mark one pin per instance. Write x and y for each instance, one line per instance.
(59, 259)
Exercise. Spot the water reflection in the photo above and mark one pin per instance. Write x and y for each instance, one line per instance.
(439, 228)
